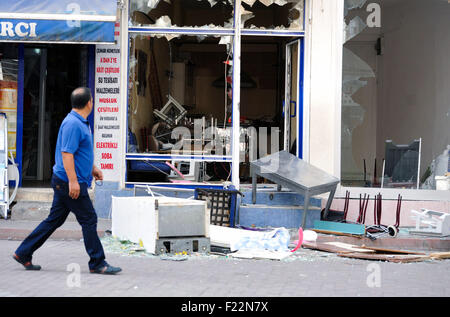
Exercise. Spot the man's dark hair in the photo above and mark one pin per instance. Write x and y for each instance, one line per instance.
(80, 97)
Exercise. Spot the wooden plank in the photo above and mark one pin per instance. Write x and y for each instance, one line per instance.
(338, 233)
(341, 227)
(330, 247)
(440, 255)
(396, 258)
(391, 251)
(261, 254)
(349, 247)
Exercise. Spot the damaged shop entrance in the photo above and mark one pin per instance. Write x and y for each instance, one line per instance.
(180, 106)
(182, 95)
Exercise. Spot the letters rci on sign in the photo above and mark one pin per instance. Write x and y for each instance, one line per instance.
(21, 29)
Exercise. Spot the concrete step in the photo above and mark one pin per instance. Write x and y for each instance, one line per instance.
(20, 229)
(39, 194)
(282, 198)
(34, 211)
(34, 204)
(34, 194)
(263, 216)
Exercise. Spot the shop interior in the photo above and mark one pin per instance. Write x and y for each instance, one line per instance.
(395, 113)
(180, 93)
(51, 73)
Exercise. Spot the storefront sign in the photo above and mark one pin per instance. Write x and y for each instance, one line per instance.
(107, 111)
(60, 31)
(98, 7)
(80, 21)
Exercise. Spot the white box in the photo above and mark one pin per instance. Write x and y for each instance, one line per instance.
(442, 182)
(146, 219)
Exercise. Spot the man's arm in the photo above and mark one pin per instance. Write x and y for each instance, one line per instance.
(69, 166)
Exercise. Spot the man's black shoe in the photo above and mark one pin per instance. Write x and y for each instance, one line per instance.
(107, 269)
(27, 264)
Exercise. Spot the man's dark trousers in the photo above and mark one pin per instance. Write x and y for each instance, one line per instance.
(62, 205)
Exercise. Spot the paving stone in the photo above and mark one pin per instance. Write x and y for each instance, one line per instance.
(208, 276)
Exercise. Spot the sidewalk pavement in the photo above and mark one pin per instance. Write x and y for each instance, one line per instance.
(70, 230)
(65, 274)
(306, 273)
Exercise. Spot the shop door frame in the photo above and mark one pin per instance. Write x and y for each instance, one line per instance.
(20, 100)
(288, 117)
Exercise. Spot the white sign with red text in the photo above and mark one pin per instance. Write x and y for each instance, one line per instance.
(107, 111)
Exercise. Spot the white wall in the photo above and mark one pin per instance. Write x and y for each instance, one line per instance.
(414, 97)
(324, 50)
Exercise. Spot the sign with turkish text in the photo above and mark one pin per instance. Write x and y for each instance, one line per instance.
(107, 111)
(74, 21)
(56, 31)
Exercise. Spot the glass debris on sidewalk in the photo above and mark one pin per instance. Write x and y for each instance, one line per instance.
(114, 245)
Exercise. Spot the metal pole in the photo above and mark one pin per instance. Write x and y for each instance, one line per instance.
(124, 50)
(42, 101)
(236, 95)
(418, 166)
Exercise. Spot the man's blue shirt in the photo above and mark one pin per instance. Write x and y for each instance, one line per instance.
(75, 137)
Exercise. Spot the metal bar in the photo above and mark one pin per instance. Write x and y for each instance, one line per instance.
(365, 209)
(287, 98)
(360, 211)
(347, 201)
(305, 208)
(4, 186)
(124, 71)
(247, 32)
(236, 97)
(330, 200)
(59, 42)
(20, 98)
(91, 81)
(300, 93)
(41, 119)
(418, 164)
(58, 17)
(180, 30)
(163, 157)
(254, 188)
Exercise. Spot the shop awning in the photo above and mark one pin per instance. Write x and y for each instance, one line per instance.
(67, 21)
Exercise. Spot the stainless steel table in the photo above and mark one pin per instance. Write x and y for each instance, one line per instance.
(287, 170)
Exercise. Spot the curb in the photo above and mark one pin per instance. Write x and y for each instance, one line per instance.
(59, 234)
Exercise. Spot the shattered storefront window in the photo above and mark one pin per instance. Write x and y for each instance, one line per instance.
(272, 14)
(9, 68)
(180, 100)
(182, 13)
(395, 117)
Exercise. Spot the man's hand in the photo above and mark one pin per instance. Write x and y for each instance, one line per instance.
(97, 173)
(74, 189)
(69, 166)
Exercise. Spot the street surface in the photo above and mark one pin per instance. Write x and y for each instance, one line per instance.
(307, 274)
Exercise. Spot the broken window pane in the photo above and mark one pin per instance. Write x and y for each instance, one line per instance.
(178, 83)
(272, 14)
(182, 13)
(263, 91)
(395, 115)
(179, 104)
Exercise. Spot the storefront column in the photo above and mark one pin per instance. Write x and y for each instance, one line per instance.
(20, 89)
(325, 72)
(236, 95)
(124, 51)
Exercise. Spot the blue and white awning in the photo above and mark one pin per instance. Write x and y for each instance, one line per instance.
(67, 21)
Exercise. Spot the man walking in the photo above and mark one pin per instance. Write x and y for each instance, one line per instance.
(72, 176)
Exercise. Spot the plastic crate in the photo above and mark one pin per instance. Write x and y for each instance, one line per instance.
(221, 204)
